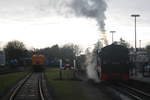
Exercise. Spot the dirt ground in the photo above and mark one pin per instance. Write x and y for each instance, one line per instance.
(96, 91)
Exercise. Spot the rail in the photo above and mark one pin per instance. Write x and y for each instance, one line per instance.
(132, 92)
(40, 87)
(18, 87)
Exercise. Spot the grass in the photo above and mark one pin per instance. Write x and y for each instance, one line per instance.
(65, 89)
(7, 80)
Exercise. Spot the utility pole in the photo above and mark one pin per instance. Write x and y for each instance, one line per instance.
(112, 35)
(135, 15)
(140, 44)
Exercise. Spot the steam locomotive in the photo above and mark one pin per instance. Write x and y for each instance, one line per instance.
(38, 62)
(113, 63)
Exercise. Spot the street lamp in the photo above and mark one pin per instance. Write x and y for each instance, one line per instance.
(135, 15)
(112, 35)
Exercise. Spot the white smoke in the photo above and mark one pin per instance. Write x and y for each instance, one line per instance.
(91, 67)
(91, 61)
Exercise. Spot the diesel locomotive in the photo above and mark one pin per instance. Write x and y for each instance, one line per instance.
(38, 62)
(113, 63)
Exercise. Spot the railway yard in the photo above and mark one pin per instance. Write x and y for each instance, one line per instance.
(67, 50)
(48, 86)
(112, 79)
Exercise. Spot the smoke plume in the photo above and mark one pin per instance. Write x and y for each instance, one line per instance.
(91, 67)
(94, 9)
(91, 9)
(103, 38)
(91, 62)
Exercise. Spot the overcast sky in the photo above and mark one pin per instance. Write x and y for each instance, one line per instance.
(119, 19)
(42, 23)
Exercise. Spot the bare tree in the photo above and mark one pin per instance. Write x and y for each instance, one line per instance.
(124, 43)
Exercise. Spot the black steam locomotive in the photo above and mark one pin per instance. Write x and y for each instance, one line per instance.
(113, 63)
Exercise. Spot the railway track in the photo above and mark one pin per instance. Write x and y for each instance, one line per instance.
(131, 92)
(29, 88)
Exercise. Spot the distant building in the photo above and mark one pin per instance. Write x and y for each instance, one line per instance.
(139, 58)
(142, 56)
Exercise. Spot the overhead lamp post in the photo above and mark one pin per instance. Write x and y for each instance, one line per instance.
(135, 15)
(112, 35)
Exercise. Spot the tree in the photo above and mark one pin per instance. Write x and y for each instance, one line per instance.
(54, 53)
(148, 51)
(124, 43)
(50, 53)
(70, 52)
(15, 50)
(72, 49)
(98, 47)
(77, 50)
(67, 52)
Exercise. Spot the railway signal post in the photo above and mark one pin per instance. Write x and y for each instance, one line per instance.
(74, 65)
(60, 69)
